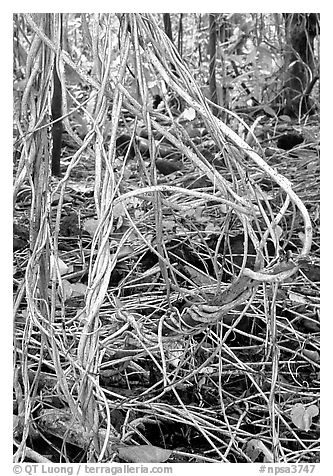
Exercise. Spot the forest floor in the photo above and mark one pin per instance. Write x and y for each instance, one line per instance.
(241, 387)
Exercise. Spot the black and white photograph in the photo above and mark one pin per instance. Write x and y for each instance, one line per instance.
(166, 242)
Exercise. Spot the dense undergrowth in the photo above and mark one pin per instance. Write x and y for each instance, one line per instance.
(165, 316)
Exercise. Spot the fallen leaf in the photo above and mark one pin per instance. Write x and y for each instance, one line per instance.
(312, 355)
(285, 118)
(90, 226)
(61, 266)
(188, 114)
(72, 290)
(298, 298)
(270, 111)
(143, 454)
(79, 289)
(67, 291)
(302, 416)
(255, 447)
(124, 252)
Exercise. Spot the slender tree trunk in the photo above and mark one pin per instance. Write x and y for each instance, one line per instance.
(56, 109)
(212, 59)
(199, 45)
(180, 35)
(167, 25)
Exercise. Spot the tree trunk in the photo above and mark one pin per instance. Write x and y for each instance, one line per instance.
(167, 25)
(56, 110)
(301, 30)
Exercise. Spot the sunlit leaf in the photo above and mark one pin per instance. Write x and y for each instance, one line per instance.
(188, 114)
(302, 416)
(90, 226)
(58, 265)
